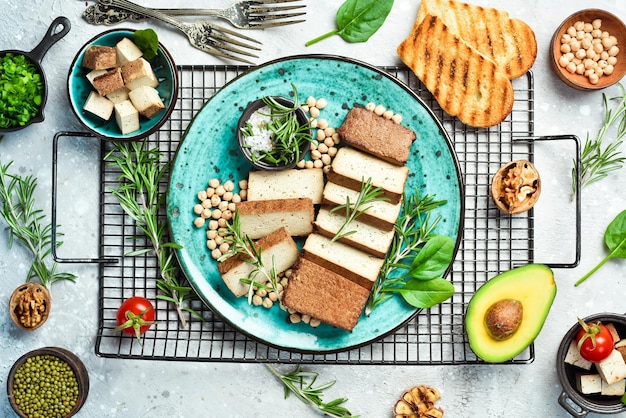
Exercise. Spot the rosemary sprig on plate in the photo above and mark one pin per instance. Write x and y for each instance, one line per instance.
(368, 195)
(140, 198)
(242, 245)
(301, 384)
(596, 159)
(24, 223)
(414, 228)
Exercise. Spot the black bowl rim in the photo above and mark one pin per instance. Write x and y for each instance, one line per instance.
(77, 365)
(168, 111)
(571, 393)
(245, 115)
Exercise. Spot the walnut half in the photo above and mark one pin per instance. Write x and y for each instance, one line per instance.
(516, 186)
(30, 306)
(418, 402)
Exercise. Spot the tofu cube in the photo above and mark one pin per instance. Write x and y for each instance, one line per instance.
(99, 106)
(126, 116)
(588, 383)
(99, 57)
(118, 95)
(573, 357)
(95, 73)
(146, 100)
(614, 389)
(613, 368)
(127, 51)
(108, 82)
(138, 73)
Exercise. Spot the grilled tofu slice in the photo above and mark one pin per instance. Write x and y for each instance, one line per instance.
(510, 43)
(464, 82)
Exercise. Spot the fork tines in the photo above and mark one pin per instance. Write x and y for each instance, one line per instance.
(223, 40)
(262, 17)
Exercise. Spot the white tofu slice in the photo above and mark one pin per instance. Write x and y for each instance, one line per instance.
(613, 368)
(127, 117)
(146, 100)
(588, 383)
(99, 106)
(118, 96)
(573, 357)
(127, 51)
(139, 73)
(286, 184)
(614, 389)
(93, 74)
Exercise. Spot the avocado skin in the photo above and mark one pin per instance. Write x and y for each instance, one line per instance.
(534, 286)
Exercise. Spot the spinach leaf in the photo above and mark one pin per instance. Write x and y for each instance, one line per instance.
(426, 293)
(358, 20)
(433, 259)
(148, 41)
(615, 240)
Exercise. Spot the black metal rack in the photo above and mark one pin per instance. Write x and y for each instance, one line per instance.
(492, 243)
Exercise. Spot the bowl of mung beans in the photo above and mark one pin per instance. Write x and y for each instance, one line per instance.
(585, 50)
(47, 382)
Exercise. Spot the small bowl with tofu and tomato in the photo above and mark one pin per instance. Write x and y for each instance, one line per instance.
(593, 379)
(123, 84)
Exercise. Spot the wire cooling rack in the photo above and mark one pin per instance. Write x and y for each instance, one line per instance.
(492, 243)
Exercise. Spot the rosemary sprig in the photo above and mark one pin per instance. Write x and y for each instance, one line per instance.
(242, 245)
(368, 195)
(140, 198)
(287, 133)
(597, 160)
(413, 228)
(301, 384)
(24, 223)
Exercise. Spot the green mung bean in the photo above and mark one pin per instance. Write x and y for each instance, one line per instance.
(45, 386)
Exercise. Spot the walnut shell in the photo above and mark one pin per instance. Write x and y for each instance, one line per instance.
(29, 306)
(516, 186)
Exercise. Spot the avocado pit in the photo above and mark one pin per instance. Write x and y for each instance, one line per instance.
(503, 318)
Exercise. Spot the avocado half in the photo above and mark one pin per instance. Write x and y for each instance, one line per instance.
(533, 285)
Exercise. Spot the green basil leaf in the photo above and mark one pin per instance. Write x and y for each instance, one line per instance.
(615, 236)
(148, 41)
(358, 20)
(426, 293)
(433, 259)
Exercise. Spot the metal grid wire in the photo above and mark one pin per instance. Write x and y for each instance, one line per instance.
(492, 243)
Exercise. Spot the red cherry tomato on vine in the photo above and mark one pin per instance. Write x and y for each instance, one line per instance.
(595, 341)
(135, 316)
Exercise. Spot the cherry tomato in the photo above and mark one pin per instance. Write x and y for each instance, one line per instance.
(135, 316)
(595, 341)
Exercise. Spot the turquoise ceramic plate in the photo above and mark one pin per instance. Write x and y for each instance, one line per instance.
(78, 88)
(209, 150)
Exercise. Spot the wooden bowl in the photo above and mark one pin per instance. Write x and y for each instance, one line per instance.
(611, 24)
(77, 366)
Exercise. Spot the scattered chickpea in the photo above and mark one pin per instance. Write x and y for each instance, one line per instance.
(198, 222)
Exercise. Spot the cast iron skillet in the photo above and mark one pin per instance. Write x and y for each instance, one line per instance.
(35, 57)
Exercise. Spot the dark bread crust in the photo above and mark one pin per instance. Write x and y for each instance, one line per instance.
(371, 133)
(323, 294)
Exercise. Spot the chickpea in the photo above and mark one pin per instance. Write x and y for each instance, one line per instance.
(243, 184)
(215, 200)
(224, 247)
(565, 48)
(300, 164)
(328, 142)
(397, 118)
(267, 303)
(613, 51)
(370, 106)
(332, 151)
(210, 191)
(321, 103)
(211, 244)
(579, 25)
(571, 67)
(206, 204)
(257, 300)
(198, 222)
(322, 123)
(320, 135)
(244, 194)
(206, 213)
(216, 253)
(202, 195)
(329, 132)
(593, 78)
(315, 322)
(314, 112)
(318, 164)
(197, 209)
(608, 70)
(313, 123)
(213, 225)
(326, 160)
(223, 205)
(596, 23)
(214, 183)
(379, 110)
(388, 114)
(211, 234)
(310, 101)
(316, 154)
(571, 31)
(236, 199)
(294, 318)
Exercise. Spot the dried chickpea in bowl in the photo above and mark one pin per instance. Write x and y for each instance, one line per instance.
(586, 50)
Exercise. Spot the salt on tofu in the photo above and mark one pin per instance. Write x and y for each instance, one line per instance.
(614, 389)
(126, 117)
(108, 82)
(127, 51)
(119, 95)
(574, 358)
(613, 368)
(99, 106)
(146, 100)
(588, 383)
(139, 73)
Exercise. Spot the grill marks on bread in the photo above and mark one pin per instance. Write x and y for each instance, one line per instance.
(464, 82)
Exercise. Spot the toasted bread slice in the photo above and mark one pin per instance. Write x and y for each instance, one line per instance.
(510, 43)
(464, 82)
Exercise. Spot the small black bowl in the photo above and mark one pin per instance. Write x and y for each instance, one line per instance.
(77, 366)
(571, 399)
(247, 153)
(57, 30)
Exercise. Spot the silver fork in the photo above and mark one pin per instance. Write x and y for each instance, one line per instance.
(245, 14)
(205, 36)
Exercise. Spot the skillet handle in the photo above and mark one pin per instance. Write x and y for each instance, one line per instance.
(51, 37)
(564, 401)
